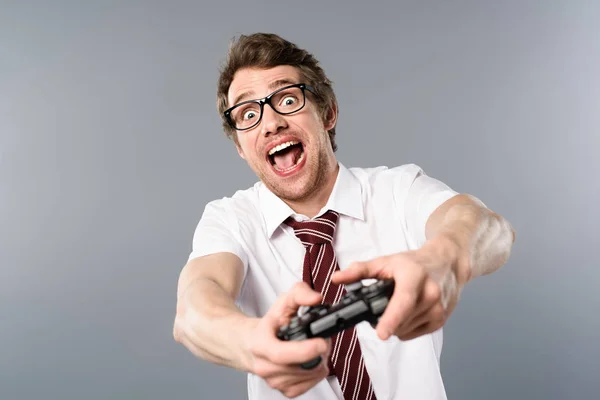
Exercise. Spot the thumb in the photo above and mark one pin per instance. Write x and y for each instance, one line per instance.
(356, 271)
(286, 306)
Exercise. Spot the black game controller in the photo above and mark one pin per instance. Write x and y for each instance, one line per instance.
(360, 303)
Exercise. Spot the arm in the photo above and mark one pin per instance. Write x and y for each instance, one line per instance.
(464, 239)
(212, 327)
(207, 321)
(483, 238)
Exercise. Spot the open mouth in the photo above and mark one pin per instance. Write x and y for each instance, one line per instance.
(286, 156)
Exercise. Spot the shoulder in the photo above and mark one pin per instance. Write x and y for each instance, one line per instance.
(242, 203)
(225, 223)
(403, 184)
(237, 213)
(400, 176)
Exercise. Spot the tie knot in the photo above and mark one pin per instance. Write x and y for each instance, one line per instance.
(317, 231)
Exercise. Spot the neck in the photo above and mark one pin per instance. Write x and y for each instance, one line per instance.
(311, 205)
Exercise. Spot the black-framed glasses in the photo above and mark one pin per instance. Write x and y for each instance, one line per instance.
(286, 100)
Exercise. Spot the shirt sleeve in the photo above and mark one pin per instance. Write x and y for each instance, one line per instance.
(217, 231)
(419, 195)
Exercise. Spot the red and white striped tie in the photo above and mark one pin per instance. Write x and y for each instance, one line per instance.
(346, 361)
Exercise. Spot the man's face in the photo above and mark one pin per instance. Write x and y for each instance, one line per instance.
(295, 172)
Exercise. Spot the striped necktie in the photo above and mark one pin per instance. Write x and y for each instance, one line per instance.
(346, 361)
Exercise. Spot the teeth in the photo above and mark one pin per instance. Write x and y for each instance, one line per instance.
(282, 146)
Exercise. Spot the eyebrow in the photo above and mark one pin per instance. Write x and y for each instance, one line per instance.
(272, 86)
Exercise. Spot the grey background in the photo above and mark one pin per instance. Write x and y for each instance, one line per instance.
(110, 146)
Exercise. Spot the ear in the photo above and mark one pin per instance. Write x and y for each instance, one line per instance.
(330, 116)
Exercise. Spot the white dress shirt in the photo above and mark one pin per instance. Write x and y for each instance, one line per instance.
(382, 211)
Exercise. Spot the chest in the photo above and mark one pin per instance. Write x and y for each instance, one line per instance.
(276, 263)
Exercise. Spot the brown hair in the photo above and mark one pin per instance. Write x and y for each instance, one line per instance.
(266, 50)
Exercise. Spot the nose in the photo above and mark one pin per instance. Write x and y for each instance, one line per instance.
(272, 122)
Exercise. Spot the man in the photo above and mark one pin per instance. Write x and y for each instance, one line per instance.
(251, 269)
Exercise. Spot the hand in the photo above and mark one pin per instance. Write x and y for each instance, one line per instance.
(278, 362)
(426, 288)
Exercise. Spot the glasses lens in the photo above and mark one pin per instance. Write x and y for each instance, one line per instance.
(288, 100)
(245, 115)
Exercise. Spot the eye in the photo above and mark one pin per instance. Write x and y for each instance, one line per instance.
(288, 101)
(249, 114)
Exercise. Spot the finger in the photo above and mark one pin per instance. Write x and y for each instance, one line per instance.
(305, 385)
(287, 305)
(429, 297)
(321, 369)
(295, 352)
(269, 370)
(301, 358)
(424, 329)
(362, 270)
(409, 282)
(434, 316)
(294, 387)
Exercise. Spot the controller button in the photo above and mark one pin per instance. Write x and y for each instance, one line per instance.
(317, 309)
(354, 286)
(378, 306)
(354, 310)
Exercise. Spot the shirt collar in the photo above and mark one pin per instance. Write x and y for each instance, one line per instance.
(346, 199)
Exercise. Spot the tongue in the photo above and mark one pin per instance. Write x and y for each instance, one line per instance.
(287, 158)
